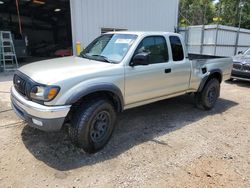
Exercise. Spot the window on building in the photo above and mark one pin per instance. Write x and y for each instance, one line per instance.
(156, 47)
(177, 49)
(105, 30)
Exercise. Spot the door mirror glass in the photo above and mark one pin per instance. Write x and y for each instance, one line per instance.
(240, 52)
(140, 59)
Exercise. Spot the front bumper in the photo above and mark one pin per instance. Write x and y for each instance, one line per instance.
(46, 118)
(240, 75)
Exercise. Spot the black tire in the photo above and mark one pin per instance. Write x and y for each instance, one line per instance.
(209, 95)
(92, 125)
(197, 100)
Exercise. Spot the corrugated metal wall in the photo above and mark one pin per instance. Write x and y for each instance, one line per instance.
(216, 40)
(89, 16)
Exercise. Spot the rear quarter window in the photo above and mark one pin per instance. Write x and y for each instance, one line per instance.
(177, 49)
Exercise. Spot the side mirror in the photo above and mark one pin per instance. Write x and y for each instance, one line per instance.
(240, 52)
(140, 59)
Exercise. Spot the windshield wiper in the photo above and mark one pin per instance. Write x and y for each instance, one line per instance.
(104, 58)
(83, 55)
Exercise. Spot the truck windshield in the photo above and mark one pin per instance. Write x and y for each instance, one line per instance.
(247, 52)
(110, 48)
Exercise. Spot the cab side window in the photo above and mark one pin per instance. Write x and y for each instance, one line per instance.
(177, 49)
(156, 47)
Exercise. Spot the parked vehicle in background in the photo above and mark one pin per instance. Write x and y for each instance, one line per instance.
(117, 71)
(241, 66)
(63, 52)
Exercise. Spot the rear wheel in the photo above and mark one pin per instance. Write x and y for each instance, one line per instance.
(92, 125)
(209, 95)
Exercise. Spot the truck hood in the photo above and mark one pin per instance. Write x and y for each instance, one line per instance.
(242, 58)
(55, 70)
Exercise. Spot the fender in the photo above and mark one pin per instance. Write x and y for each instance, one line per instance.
(95, 88)
(204, 80)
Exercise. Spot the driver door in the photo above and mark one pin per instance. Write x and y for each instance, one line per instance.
(145, 82)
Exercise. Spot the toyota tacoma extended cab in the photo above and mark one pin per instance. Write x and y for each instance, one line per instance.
(117, 71)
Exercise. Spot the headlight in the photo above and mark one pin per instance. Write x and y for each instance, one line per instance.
(44, 93)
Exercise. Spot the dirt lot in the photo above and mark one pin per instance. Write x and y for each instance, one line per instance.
(165, 144)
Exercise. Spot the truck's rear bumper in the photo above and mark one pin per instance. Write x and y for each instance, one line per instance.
(46, 118)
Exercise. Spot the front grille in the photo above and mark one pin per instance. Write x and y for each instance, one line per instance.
(19, 84)
(237, 66)
(246, 67)
(241, 66)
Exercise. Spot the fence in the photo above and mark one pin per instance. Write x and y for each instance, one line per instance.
(215, 40)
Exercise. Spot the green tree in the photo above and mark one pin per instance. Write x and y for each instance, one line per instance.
(231, 10)
(246, 16)
(227, 12)
(196, 12)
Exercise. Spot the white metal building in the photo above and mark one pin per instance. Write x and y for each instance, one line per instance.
(216, 40)
(90, 18)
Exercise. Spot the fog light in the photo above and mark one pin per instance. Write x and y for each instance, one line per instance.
(37, 122)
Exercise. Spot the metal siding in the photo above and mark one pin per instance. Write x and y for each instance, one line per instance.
(194, 35)
(209, 36)
(224, 51)
(244, 39)
(226, 37)
(208, 50)
(89, 16)
(183, 35)
(193, 49)
(225, 45)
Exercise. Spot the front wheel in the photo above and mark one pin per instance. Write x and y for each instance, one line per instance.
(92, 125)
(209, 94)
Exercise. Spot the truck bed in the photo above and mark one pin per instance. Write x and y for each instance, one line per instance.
(203, 57)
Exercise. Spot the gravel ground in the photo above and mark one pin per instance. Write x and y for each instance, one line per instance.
(165, 144)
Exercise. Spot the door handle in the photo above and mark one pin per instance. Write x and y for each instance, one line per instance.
(167, 71)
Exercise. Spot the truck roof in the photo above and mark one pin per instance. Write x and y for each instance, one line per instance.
(140, 33)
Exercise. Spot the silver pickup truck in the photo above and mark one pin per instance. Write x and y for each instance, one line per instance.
(117, 71)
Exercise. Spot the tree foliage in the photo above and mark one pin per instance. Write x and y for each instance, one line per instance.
(226, 12)
(196, 12)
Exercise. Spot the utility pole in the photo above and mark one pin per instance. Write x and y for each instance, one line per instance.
(217, 27)
(241, 6)
(203, 28)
